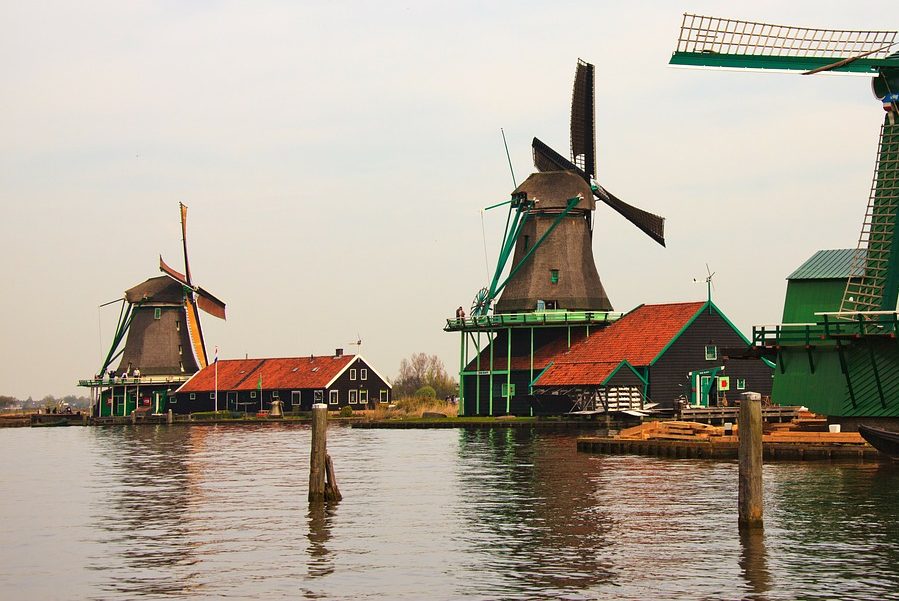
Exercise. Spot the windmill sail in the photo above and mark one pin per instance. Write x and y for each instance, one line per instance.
(583, 127)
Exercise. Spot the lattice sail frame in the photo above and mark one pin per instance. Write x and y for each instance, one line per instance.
(873, 284)
(715, 35)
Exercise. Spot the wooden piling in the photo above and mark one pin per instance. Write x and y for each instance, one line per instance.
(750, 459)
(169, 418)
(322, 483)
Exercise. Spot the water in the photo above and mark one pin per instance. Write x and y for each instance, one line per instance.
(212, 512)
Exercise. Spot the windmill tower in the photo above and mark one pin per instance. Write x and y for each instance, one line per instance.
(845, 364)
(159, 323)
(545, 291)
(551, 224)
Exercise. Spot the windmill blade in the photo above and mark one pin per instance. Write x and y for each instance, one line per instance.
(649, 223)
(184, 241)
(583, 123)
(165, 268)
(209, 303)
(730, 43)
(547, 159)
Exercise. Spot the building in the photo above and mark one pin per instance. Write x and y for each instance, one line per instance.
(660, 353)
(251, 385)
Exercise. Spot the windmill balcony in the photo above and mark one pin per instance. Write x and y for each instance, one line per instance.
(131, 381)
(550, 317)
(830, 326)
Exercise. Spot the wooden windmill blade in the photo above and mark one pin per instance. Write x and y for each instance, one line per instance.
(583, 121)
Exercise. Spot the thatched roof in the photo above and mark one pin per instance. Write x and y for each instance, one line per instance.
(161, 289)
(552, 189)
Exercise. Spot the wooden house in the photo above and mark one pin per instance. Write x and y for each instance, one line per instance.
(338, 380)
(657, 353)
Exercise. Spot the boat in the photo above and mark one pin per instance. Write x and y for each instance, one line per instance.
(50, 424)
(885, 441)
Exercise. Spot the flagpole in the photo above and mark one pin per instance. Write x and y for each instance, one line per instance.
(216, 380)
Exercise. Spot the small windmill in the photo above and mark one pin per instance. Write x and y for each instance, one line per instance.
(161, 320)
(559, 201)
(357, 343)
(728, 43)
(709, 284)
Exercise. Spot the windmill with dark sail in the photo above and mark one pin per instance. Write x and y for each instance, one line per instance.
(550, 224)
(158, 341)
(545, 291)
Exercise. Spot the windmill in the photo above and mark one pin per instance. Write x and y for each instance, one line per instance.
(357, 343)
(549, 227)
(728, 43)
(161, 320)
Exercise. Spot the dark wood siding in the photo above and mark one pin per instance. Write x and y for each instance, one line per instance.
(688, 354)
(373, 385)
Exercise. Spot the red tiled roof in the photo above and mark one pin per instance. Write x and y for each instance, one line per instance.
(243, 374)
(578, 374)
(638, 337)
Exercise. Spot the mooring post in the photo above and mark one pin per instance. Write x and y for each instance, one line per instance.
(322, 483)
(750, 458)
(169, 418)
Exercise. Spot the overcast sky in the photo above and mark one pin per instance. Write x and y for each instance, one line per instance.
(335, 157)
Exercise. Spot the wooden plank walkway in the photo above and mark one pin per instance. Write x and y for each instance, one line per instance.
(720, 415)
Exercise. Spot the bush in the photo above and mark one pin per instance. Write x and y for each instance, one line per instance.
(346, 411)
(426, 392)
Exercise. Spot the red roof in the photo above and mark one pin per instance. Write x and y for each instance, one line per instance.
(243, 374)
(638, 337)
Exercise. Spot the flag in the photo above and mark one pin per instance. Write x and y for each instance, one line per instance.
(259, 383)
(216, 355)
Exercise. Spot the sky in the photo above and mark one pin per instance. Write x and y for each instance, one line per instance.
(336, 157)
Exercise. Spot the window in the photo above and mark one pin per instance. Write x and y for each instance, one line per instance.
(252, 394)
(177, 326)
(354, 395)
(318, 395)
(295, 398)
(553, 276)
(352, 374)
(180, 351)
(157, 313)
(383, 396)
(363, 397)
(333, 397)
(741, 383)
(363, 374)
(527, 242)
(274, 394)
(211, 395)
(506, 389)
(193, 396)
(711, 352)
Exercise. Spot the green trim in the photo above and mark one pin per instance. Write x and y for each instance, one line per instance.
(769, 363)
(542, 371)
(788, 63)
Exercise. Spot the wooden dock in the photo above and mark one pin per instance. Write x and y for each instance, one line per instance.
(721, 415)
(782, 448)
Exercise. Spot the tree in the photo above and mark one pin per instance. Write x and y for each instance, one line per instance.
(422, 370)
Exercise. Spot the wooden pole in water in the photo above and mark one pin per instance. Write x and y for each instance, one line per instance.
(322, 483)
(750, 458)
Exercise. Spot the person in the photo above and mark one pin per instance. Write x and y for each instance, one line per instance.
(460, 313)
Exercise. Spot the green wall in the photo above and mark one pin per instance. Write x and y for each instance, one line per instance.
(805, 297)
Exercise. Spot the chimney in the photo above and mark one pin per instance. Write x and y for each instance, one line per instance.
(338, 352)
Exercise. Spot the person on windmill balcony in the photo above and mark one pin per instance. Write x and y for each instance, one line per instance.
(460, 313)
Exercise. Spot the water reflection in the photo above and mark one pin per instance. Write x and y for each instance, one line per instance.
(320, 518)
(142, 517)
(754, 563)
(531, 515)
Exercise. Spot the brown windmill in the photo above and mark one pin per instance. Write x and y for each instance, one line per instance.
(550, 231)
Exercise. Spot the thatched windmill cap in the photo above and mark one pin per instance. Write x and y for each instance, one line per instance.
(552, 189)
(161, 289)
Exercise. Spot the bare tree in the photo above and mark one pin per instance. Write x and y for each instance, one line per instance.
(420, 370)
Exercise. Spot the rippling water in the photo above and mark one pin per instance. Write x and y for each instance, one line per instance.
(194, 512)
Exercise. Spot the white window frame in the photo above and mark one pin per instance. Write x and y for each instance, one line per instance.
(363, 374)
(741, 383)
(252, 394)
(713, 356)
(383, 396)
(298, 395)
(363, 396)
(275, 394)
(353, 396)
(353, 374)
(334, 397)
(318, 396)
(193, 396)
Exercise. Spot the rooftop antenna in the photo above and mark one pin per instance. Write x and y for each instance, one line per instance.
(357, 343)
(709, 284)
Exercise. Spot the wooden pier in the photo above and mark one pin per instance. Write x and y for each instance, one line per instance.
(722, 415)
(725, 447)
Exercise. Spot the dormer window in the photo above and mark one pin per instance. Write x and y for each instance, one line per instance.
(553, 276)
(157, 313)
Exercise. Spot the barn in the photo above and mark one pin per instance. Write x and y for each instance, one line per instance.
(657, 353)
(251, 385)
